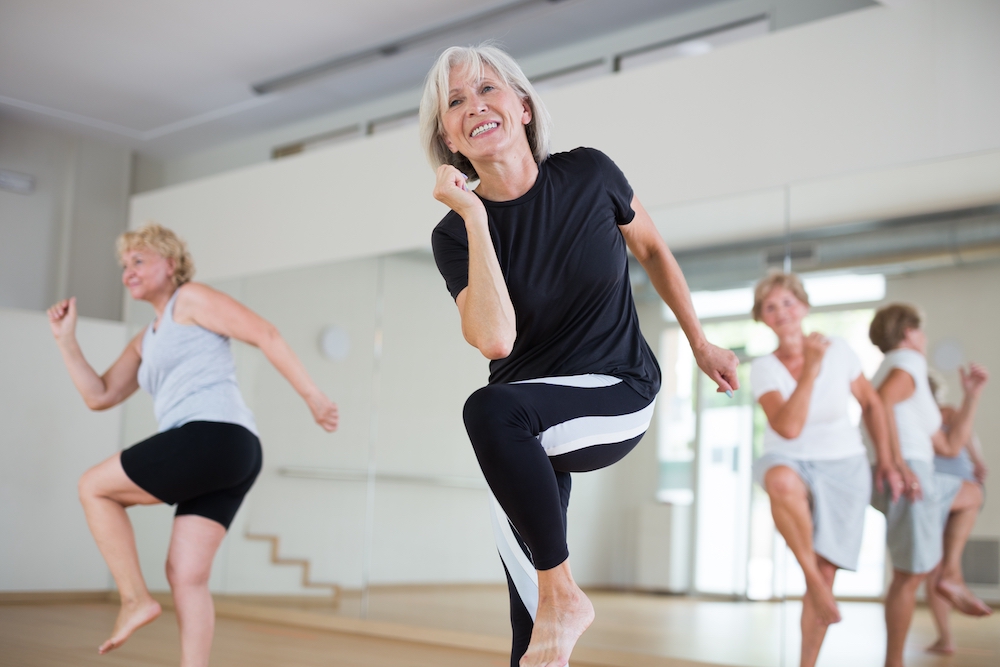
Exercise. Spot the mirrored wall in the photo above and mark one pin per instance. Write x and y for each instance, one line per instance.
(387, 519)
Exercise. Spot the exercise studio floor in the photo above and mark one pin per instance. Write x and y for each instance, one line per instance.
(444, 626)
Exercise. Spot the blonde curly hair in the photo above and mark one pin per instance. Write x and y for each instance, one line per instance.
(162, 241)
(789, 281)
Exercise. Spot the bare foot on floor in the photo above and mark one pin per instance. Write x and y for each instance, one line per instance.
(557, 627)
(825, 604)
(941, 647)
(962, 599)
(131, 617)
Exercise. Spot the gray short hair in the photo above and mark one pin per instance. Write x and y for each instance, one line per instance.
(435, 98)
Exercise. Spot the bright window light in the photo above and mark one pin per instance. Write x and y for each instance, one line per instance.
(833, 290)
(822, 291)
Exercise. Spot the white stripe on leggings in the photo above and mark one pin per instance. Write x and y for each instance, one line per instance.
(581, 432)
(589, 381)
(520, 569)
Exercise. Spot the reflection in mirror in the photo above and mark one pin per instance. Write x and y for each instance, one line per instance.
(388, 518)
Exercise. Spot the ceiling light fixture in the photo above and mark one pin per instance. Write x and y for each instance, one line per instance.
(389, 49)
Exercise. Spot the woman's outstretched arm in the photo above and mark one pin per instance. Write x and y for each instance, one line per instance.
(99, 392)
(208, 308)
(645, 242)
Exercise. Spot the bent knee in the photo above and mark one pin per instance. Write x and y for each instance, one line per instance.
(487, 410)
(89, 486)
(783, 483)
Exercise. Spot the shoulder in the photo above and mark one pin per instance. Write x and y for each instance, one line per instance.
(449, 232)
(910, 361)
(584, 155)
(450, 225)
(763, 365)
(842, 348)
(194, 299)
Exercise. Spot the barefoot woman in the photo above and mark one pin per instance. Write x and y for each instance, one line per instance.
(206, 455)
(946, 586)
(814, 468)
(536, 261)
(915, 522)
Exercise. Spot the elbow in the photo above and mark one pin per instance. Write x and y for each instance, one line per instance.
(267, 337)
(496, 350)
(98, 404)
(788, 432)
(496, 347)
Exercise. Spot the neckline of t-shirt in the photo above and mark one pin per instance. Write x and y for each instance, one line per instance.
(530, 194)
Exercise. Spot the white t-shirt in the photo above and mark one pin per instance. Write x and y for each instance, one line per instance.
(828, 432)
(918, 417)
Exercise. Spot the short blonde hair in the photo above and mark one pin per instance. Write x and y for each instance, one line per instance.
(162, 241)
(435, 98)
(890, 324)
(789, 281)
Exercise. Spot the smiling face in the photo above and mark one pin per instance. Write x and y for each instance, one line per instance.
(782, 311)
(484, 118)
(146, 273)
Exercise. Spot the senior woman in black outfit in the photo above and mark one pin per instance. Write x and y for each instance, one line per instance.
(536, 261)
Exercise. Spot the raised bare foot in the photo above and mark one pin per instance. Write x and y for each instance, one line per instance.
(558, 624)
(962, 599)
(941, 647)
(131, 617)
(827, 612)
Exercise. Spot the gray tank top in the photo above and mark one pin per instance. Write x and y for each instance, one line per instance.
(190, 373)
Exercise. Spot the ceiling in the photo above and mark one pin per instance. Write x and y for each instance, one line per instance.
(169, 78)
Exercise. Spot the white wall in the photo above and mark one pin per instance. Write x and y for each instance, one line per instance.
(59, 240)
(915, 87)
(49, 439)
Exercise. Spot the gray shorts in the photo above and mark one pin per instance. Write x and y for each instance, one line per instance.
(915, 530)
(839, 493)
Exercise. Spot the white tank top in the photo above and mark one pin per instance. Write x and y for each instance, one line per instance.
(189, 372)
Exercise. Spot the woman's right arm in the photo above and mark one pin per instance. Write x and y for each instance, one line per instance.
(488, 320)
(788, 418)
(99, 392)
(896, 388)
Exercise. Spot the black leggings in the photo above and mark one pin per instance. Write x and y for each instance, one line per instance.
(529, 436)
(205, 468)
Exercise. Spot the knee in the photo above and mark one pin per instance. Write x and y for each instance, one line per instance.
(908, 580)
(783, 484)
(184, 572)
(485, 412)
(88, 485)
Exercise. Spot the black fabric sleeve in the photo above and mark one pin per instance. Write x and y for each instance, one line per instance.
(452, 257)
(616, 185)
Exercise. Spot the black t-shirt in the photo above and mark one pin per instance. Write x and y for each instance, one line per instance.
(565, 263)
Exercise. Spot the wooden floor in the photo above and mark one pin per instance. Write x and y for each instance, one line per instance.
(61, 635)
(467, 625)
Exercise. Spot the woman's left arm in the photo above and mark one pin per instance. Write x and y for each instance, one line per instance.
(208, 308)
(645, 242)
(887, 475)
